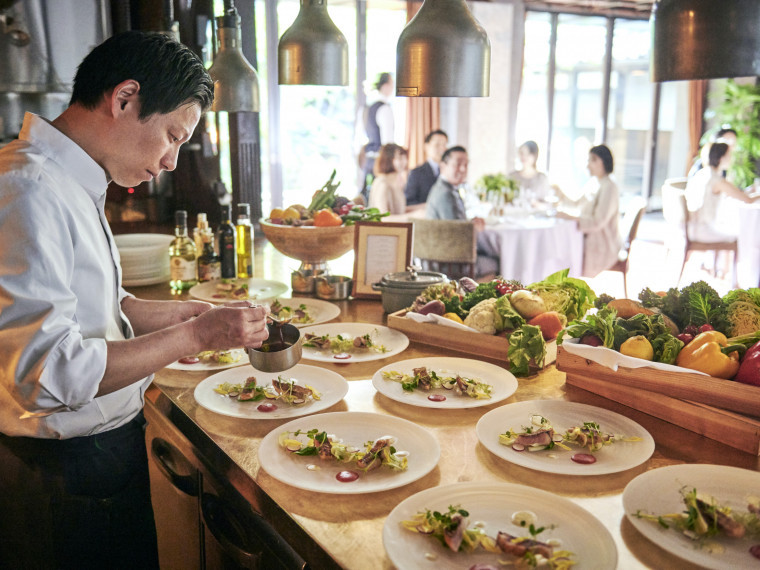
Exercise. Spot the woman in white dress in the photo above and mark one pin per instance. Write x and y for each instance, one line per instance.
(528, 177)
(705, 193)
(599, 213)
(387, 191)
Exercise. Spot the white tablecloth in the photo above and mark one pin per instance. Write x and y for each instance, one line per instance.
(530, 248)
(748, 244)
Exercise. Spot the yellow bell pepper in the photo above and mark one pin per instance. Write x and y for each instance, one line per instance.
(710, 353)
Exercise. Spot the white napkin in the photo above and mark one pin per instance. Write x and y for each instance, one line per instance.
(440, 320)
(612, 358)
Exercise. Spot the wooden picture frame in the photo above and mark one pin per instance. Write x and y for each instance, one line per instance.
(380, 248)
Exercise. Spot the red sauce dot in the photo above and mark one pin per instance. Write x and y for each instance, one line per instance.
(347, 476)
(189, 360)
(585, 458)
(436, 397)
(266, 407)
(219, 296)
(755, 550)
(342, 356)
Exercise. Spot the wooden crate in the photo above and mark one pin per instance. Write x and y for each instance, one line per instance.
(490, 346)
(715, 408)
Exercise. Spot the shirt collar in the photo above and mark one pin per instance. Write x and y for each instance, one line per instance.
(435, 166)
(56, 146)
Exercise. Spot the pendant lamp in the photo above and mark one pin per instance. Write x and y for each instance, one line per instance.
(704, 39)
(313, 51)
(443, 52)
(236, 84)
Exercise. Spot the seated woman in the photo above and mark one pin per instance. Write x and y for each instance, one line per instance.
(599, 213)
(705, 191)
(528, 177)
(387, 190)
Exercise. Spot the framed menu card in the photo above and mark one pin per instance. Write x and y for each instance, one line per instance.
(381, 248)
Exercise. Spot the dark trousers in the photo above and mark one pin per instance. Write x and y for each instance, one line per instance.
(77, 503)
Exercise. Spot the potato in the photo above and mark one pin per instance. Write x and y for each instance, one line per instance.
(527, 303)
(626, 308)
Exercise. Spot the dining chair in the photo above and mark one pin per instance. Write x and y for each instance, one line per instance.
(629, 227)
(691, 245)
(447, 246)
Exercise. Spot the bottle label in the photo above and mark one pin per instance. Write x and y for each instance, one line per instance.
(209, 271)
(182, 269)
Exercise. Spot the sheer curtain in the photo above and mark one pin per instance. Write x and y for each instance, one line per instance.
(423, 114)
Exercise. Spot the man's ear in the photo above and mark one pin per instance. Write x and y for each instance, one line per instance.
(124, 95)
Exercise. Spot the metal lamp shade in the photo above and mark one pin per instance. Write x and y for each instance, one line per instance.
(704, 39)
(443, 52)
(236, 83)
(313, 51)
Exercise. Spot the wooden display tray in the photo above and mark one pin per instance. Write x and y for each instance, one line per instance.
(490, 346)
(715, 408)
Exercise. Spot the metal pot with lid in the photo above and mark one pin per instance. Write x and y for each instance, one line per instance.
(400, 289)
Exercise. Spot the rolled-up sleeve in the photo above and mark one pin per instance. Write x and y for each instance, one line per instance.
(48, 365)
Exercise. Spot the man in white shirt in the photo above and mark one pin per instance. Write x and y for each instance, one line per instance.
(77, 352)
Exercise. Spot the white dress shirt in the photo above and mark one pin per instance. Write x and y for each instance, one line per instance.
(60, 291)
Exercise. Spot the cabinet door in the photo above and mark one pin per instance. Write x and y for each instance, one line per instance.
(174, 486)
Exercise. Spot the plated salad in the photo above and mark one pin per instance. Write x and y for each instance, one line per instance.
(214, 357)
(451, 529)
(232, 289)
(426, 380)
(299, 315)
(540, 435)
(342, 343)
(282, 389)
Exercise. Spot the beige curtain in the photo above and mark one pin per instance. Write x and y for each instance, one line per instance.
(697, 97)
(423, 114)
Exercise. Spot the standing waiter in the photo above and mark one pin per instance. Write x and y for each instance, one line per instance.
(378, 123)
(76, 351)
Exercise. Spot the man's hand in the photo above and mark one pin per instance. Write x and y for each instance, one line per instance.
(231, 326)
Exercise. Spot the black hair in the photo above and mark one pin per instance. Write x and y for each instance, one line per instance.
(724, 131)
(382, 79)
(445, 157)
(606, 155)
(431, 134)
(531, 146)
(717, 151)
(169, 73)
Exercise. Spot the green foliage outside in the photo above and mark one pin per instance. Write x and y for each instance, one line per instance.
(739, 109)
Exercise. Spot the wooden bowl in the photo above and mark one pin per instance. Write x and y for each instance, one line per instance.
(310, 243)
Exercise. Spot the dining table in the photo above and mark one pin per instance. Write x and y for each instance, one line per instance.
(531, 244)
(347, 530)
(748, 246)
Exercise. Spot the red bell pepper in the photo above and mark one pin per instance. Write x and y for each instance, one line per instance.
(749, 370)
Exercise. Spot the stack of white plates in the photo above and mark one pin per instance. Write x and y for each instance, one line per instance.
(144, 258)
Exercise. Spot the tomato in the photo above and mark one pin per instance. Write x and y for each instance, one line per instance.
(326, 218)
(706, 327)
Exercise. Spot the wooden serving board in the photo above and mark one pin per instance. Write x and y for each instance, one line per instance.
(629, 387)
(490, 346)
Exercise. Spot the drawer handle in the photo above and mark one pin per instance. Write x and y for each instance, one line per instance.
(247, 537)
(167, 457)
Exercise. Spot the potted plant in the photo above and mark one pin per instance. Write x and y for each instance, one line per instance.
(739, 109)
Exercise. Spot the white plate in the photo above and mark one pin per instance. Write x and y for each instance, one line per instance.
(612, 458)
(210, 366)
(503, 383)
(657, 492)
(393, 340)
(320, 311)
(493, 504)
(258, 290)
(353, 428)
(331, 385)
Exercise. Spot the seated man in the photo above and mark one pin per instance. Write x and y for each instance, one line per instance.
(422, 178)
(445, 203)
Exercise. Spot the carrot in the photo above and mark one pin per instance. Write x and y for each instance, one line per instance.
(550, 324)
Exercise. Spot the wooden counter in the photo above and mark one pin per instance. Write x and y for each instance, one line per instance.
(346, 531)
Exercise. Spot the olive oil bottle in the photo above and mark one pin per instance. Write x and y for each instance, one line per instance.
(183, 257)
(244, 242)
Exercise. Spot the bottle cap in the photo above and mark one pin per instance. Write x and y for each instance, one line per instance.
(244, 210)
(202, 222)
(180, 217)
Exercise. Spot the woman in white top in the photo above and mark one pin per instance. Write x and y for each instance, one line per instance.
(528, 177)
(598, 219)
(387, 191)
(705, 192)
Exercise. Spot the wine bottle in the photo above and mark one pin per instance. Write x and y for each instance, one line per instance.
(183, 265)
(244, 242)
(227, 244)
(209, 264)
